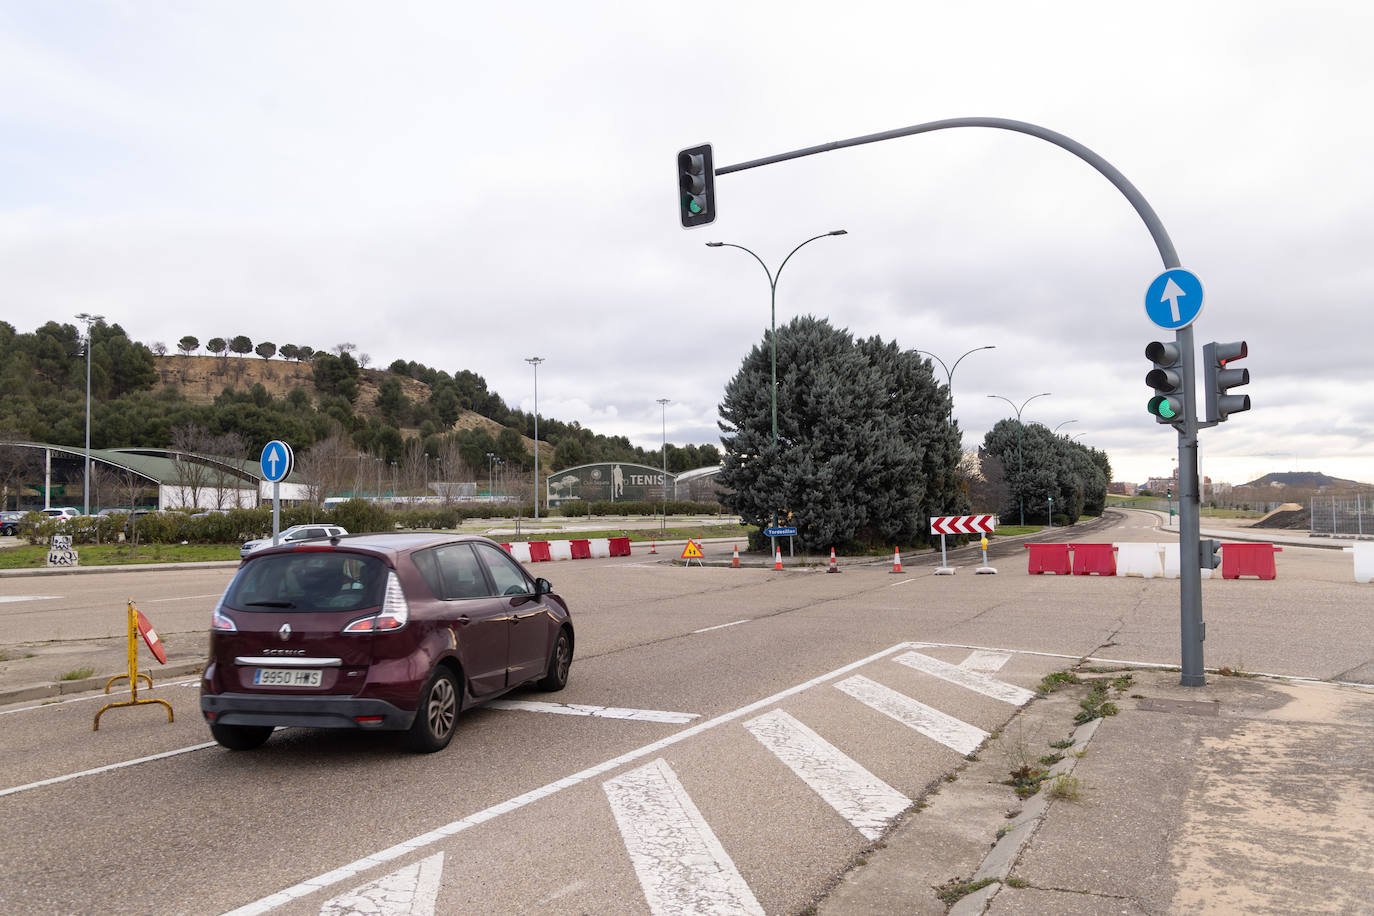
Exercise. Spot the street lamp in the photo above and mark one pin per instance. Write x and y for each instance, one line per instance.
(949, 371)
(1019, 499)
(86, 478)
(663, 415)
(1065, 423)
(491, 496)
(773, 323)
(535, 361)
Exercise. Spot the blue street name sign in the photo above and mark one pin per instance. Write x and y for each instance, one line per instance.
(1173, 299)
(780, 532)
(277, 460)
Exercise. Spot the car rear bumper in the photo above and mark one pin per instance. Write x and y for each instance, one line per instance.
(304, 711)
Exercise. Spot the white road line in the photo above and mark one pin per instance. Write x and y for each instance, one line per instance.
(105, 769)
(596, 712)
(860, 797)
(930, 722)
(970, 680)
(682, 867)
(409, 891)
(903, 582)
(4, 599)
(721, 626)
(979, 660)
(182, 598)
(344, 872)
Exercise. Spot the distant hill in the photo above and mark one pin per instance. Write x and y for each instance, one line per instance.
(1303, 480)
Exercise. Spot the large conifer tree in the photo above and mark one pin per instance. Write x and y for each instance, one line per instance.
(864, 453)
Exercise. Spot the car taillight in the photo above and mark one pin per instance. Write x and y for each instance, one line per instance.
(393, 615)
(220, 622)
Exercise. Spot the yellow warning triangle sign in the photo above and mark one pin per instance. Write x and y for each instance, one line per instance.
(692, 551)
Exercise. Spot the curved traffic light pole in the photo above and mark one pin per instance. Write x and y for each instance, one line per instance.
(1190, 571)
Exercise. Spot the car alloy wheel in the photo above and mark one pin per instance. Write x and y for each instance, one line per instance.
(438, 714)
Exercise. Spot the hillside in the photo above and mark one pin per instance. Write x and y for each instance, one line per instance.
(1303, 480)
(201, 378)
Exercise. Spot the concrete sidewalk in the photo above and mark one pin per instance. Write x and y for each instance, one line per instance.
(1248, 795)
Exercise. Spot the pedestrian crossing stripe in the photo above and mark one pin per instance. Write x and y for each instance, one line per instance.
(692, 551)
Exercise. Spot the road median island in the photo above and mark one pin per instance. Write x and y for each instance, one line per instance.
(1167, 802)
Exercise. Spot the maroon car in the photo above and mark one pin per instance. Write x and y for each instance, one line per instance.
(378, 631)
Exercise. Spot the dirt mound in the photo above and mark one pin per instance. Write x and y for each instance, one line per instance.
(1289, 516)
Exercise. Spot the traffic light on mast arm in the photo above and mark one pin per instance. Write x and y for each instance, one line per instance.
(1216, 357)
(696, 180)
(1166, 378)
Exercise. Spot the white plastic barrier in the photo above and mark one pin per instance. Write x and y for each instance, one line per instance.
(1144, 560)
(1171, 564)
(601, 548)
(1364, 562)
(521, 551)
(560, 550)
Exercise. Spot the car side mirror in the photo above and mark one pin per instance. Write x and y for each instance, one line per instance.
(543, 587)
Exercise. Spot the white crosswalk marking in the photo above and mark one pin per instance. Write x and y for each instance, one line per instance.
(682, 867)
(972, 680)
(949, 731)
(860, 797)
(979, 660)
(409, 891)
(596, 712)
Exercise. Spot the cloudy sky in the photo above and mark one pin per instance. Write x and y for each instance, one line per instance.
(467, 185)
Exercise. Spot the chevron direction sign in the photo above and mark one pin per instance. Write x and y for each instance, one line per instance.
(963, 524)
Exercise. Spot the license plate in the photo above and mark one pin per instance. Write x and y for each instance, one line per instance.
(287, 677)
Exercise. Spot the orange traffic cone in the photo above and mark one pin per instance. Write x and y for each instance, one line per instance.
(777, 558)
(897, 560)
(734, 560)
(653, 547)
(834, 568)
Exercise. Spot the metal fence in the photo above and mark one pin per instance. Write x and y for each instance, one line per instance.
(1342, 517)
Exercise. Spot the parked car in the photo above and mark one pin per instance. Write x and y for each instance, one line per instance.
(293, 535)
(396, 631)
(9, 523)
(63, 512)
(115, 511)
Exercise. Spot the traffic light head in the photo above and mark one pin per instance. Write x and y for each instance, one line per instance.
(1221, 378)
(696, 180)
(1166, 378)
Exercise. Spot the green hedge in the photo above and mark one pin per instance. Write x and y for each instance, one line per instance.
(356, 516)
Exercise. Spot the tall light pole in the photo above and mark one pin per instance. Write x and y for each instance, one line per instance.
(949, 372)
(86, 477)
(491, 493)
(535, 361)
(663, 414)
(1065, 423)
(773, 324)
(1020, 501)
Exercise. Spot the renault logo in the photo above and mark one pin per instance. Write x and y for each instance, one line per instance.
(285, 632)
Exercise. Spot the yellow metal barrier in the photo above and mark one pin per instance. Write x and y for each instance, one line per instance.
(133, 675)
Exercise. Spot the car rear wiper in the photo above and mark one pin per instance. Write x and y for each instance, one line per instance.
(270, 604)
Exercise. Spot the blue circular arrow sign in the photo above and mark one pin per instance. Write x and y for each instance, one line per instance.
(1173, 299)
(277, 460)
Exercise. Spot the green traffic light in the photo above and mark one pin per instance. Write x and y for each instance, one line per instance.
(1160, 407)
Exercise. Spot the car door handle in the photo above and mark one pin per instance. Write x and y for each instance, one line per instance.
(464, 620)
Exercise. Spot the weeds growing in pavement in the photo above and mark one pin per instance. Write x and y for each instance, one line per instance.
(1095, 705)
(1062, 744)
(1057, 679)
(954, 890)
(1065, 788)
(78, 674)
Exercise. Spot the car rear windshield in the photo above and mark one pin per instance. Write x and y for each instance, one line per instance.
(308, 581)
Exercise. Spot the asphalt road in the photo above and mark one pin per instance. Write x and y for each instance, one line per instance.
(801, 728)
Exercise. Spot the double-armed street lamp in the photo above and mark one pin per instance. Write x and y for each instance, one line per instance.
(773, 322)
(949, 371)
(535, 361)
(1020, 500)
(1065, 423)
(89, 319)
